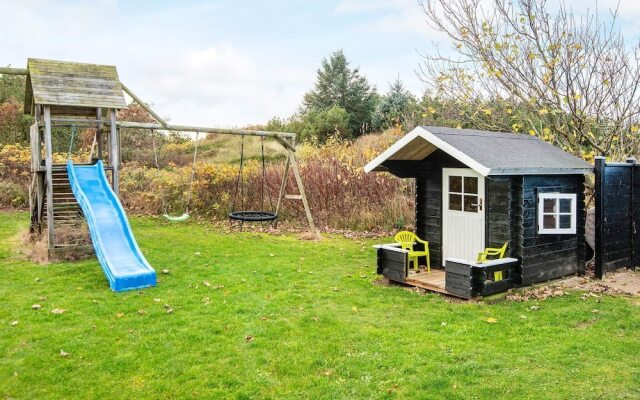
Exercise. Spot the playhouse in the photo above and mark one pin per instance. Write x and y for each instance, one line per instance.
(478, 189)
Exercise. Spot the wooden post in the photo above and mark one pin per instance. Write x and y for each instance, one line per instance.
(599, 171)
(49, 176)
(307, 210)
(283, 187)
(114, 150)
(99, 133)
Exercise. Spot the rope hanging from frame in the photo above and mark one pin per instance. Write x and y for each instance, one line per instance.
(244, 215)
(185, 216)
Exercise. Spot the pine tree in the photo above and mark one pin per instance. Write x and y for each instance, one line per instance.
(394, 108)
(338, 85)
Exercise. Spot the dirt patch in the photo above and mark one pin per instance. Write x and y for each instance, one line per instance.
(623, 282)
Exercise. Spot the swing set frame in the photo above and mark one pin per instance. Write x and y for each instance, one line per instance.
(55, 99)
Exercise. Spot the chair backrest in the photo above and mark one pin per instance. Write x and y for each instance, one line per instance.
(406, 239)
(503, 249)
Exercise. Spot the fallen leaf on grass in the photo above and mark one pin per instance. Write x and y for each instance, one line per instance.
(354, 309)
(120, 315)
(443, 323)
(523, 316)
(57, 311)
(535, 308)
(157, 300)
(491, 320)
(168, 308)
(36, 306)
(206, 283)
(64, 353)
(142, 312)
(165, 271)
(14, 323)
(248, 338)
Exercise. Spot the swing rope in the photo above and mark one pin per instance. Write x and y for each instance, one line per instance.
(250, 216)
(165, 214)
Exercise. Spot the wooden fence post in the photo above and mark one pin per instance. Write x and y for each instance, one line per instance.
(600, 165)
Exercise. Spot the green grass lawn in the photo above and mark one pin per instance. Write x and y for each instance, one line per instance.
(285, 318)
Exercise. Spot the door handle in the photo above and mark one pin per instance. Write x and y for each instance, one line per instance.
(478, 204)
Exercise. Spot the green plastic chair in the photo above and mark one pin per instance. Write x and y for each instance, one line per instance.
(407, 240)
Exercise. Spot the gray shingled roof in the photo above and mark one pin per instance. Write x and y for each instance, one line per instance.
(489, 153)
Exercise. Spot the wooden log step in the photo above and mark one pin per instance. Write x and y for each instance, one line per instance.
(293, 196)
(65, 207)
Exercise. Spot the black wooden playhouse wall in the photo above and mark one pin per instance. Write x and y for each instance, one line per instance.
(512, 209)
(547, 256)
(617, 219)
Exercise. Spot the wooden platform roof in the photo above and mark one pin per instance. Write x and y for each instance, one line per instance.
(71, 85)
(488, 153)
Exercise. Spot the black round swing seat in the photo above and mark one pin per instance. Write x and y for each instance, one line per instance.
(253, 216)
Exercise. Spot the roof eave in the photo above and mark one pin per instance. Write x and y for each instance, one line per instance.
(374, 164)
(540, 171)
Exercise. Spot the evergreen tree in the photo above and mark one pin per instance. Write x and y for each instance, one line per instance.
(394, 108)
(338, 85)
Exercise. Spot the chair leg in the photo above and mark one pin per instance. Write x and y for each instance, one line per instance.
(428, 264)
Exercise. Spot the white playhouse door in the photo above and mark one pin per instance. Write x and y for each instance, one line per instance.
(463, 213)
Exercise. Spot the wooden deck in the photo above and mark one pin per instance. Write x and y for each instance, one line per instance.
(433, 281)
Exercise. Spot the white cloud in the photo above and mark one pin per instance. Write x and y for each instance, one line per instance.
(402, 16)
(212, 83)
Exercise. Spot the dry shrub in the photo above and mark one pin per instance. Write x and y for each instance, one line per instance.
(340, 194)
(33, 248)
(36, 249)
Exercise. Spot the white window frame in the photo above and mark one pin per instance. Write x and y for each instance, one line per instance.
(557, 196)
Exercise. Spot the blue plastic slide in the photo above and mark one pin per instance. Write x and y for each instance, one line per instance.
(114, 244)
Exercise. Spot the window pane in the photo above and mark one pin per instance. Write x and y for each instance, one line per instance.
(565, 222)
(455, 202)
(470, 185)
(550, 205)
(549, 222)
(471, 203)
(565, 205)
(455, 184)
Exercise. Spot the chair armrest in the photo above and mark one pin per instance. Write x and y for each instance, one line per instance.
(425, 242)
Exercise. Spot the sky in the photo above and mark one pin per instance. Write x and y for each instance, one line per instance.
(231, 63)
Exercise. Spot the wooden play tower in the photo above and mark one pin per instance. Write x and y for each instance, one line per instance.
(70, 96)
(64, 95)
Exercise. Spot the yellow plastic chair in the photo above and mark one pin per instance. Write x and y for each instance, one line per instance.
(497, 252)
(407, 240)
